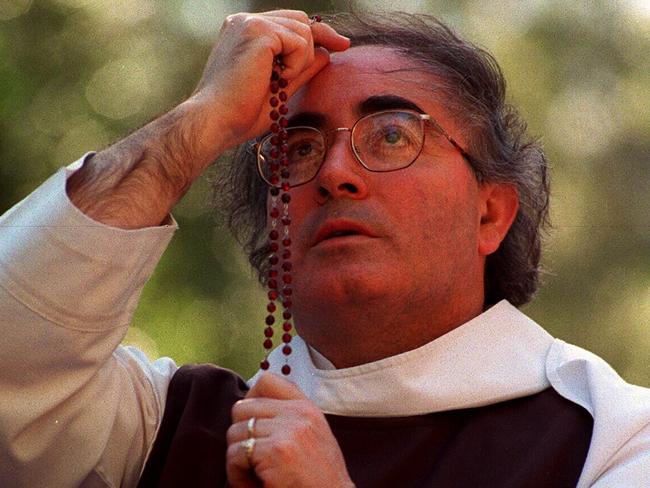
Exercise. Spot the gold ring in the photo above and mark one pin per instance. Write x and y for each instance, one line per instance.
(249, 445)
(250, 426)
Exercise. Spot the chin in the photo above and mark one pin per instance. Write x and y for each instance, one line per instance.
(345, 285)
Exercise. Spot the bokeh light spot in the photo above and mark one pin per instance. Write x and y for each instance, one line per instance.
(119, 89)
(85, 135)
(10, 9)
(203, 18)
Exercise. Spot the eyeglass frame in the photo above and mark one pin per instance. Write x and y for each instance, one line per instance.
(424, 118)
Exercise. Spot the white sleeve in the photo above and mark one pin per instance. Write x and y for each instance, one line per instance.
(76, 409)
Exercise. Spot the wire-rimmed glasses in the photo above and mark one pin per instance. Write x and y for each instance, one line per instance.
(388, 140)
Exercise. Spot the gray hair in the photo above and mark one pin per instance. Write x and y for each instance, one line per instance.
(474, 92)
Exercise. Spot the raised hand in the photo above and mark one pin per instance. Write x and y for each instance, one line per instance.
(233, 92)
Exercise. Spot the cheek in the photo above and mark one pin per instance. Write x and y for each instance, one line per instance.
(443, 212)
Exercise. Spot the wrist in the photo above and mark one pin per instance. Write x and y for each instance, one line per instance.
(206, 135)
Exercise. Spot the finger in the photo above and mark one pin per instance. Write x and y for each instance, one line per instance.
(298, 15)
(238, 465)
(321, 59)
(238, 431)
(294, 48)
(325, 35)
(271, 385)
(260, 408)
(304, 31)
(238, 468)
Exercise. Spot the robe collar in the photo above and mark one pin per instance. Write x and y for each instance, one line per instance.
(496, 356)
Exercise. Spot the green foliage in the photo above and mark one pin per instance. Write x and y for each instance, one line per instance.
(76, 75)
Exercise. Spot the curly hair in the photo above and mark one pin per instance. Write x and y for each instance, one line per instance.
(473, 89)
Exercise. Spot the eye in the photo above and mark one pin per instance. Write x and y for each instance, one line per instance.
(304, 149)
(392, 136)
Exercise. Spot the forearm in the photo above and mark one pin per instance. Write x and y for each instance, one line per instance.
(137, 181)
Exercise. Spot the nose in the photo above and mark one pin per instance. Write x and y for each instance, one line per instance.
(341, 175)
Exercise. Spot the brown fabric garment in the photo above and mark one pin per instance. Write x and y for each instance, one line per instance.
(540, 440)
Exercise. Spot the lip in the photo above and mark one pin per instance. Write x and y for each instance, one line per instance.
(340, 225)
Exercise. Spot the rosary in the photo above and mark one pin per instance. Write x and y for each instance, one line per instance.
(279, 241)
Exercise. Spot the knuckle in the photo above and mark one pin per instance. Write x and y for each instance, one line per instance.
(234, 18)
(253, 22)
(284, 450)
(308, 411)
(304, 31)
(303, 43)
(302, 15)
(303, 428)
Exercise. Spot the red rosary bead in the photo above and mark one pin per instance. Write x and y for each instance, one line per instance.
(277, 152)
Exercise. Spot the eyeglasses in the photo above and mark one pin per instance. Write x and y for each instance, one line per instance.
(383, 141)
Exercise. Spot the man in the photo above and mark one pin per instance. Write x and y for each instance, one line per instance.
(410, 369)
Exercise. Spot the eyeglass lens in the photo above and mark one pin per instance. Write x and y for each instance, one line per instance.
(385, 141)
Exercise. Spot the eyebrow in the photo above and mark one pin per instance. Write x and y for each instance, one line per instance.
(371, 104)
(386, 102)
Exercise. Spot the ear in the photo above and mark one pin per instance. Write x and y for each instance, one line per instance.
(499, 205)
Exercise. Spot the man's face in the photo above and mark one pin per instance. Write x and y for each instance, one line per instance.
(423, 220)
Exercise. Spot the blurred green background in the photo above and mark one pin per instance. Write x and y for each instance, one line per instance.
(76, 75)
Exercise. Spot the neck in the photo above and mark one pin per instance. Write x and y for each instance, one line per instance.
(351, 334)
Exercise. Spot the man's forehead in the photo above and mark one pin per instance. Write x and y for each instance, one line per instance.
(363, 72)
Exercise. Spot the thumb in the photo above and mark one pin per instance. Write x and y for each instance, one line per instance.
(273, 386)
(321, 59)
